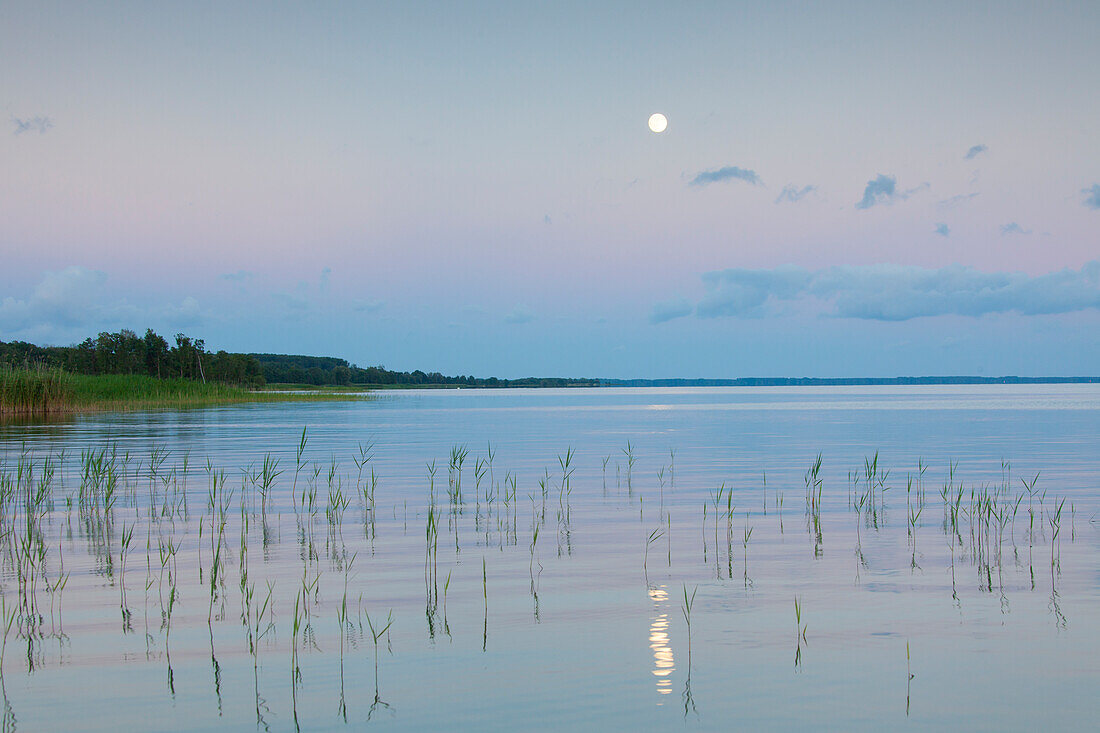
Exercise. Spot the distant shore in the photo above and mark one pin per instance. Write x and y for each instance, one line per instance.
(841, 381)
(736, 382)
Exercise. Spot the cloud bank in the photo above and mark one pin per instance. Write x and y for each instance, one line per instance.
(727, 173)
(888, 292)
(76, 301)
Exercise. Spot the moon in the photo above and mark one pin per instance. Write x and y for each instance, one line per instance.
(658, 122)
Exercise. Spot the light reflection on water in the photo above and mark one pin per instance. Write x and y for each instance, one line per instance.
(663, 662)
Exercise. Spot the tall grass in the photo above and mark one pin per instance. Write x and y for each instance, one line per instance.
(43, 391)
(25, 391)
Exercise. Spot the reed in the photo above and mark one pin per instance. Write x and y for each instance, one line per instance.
(800, 633)
(376, 634)
(362, 460)
(7, 618)
(34, 391)
(126, 538)
(685, 608)
(567, 469)
(38, 391)
(1055, 520)
(909, 677)
(631, 459)
(745, 553)
(103, 488)
(653, 537)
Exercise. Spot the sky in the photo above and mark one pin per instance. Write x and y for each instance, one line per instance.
(844, 189)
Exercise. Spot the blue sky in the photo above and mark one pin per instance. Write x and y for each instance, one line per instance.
(851, 189)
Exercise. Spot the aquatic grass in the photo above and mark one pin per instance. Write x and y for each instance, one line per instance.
(631, 459)
(299, 464)
(668, 537)
(567, 469)
(459, 454)
(745, 553)
(344, 627)
(258, 623)
(481, 470)
(362, 460)
(446, 589)
(264, 480)
(35, 391)
(38, 391)
(106, 477)
(7, 618)
(431, 482)
(730, 508)
(376, 634)
(800, 633)
(672, 469)
(685, 609)
(661, 485)
(1032, 492)
(716, 500)
(57, 592)
(295, 668)
(653, 537)
(909, 677)
(126, 538)
(1055, 520)
(814, 484)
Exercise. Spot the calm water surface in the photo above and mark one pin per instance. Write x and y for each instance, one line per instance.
(994, 615)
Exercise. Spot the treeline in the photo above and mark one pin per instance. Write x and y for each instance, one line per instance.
(150, 355)
(323, 370)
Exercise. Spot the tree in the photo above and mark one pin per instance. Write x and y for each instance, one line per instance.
(156, 353)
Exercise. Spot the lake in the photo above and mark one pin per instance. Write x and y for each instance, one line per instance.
(607, 558)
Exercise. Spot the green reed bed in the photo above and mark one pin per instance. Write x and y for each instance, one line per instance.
(34, 390)
(38, 391)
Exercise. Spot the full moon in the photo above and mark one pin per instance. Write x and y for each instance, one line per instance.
(658, 122)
